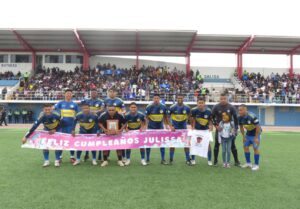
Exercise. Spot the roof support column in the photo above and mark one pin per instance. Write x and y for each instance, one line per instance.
(33, 59)
(291, 69)
(86, 61)
(188, 65)
(239, 65)
(137, 62)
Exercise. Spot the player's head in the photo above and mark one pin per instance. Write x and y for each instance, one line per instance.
(201, 103)
(243, 110)
(94, 94)
(156, 98)
(180, 98)
(68, 94)
(112, 93)
(225, 117)
(47, 109)
(223, 99)
(133, 107)
(85, 108)
(111, 110)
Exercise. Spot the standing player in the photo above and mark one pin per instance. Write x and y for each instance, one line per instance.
(113, 100)
(217, 113)
(135, 121)
(96, 107)
(50, 119)
(250, 122)
(179, 114)
(202, 120)
(112, 114)
(157, 116)
(68, 110)
(88, 123)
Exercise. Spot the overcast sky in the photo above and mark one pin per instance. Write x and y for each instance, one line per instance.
(241, 17)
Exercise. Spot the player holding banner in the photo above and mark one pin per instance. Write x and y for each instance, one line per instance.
(96, 107)
(250, 122)
(68, 110)
(179, 114)
(88, 123)
(202, 120)
(50, 119)
(135, 121)
(157, 116)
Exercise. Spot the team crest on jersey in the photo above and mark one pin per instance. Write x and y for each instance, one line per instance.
(205, 116)
(96, 105)
(184, 111)
(54, 120)
(72, 106)
(115, 104)
(90, 120)
(228, 111)
(249, 121)
(138, 120)
(161, 111)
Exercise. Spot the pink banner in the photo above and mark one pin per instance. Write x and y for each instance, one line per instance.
(127, 140)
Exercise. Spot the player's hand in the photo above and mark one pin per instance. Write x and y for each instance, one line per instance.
(98, 134)
(172, 128)
(73, 133)
(52, 131)
(24, 140)
(126, 129)
(256, 141)
(244, 139)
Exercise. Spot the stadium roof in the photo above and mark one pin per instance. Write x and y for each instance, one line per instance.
(141, 42)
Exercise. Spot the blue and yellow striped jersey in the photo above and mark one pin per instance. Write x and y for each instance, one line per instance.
(68, 111)
(88, 123)
(117, 102)
(156, 114)
(95, 105)
(50, 122)
(202, 118)
(249, 122)
(134, 122)
(179, 115)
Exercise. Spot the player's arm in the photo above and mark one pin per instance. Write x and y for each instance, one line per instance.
(74, 126)
(167, 122)
(257, 130)
(235, 118)
(214, 116)
(124, 125)
(101, 122)
(242, 132)
(210, 125)
(32, 129)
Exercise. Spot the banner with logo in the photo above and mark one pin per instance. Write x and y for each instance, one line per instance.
(126, 140)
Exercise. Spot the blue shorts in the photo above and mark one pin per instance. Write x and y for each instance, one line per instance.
(250, 140)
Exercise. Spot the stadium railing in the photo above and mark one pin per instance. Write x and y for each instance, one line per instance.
(168, 97)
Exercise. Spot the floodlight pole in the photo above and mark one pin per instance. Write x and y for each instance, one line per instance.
(243, 48)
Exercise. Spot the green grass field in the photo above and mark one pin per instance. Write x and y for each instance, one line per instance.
(25, 184)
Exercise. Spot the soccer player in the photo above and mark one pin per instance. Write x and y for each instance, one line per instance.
(68, 110)
(96, 107)
(135, 121)
(250, 122)
(201, 119)
(88, 123)
(157, 116)
(179, 114)
(217, 112)
(113, 100)
(51, 120)
(112, 114)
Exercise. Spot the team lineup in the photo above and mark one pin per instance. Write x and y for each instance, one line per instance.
(94, 114)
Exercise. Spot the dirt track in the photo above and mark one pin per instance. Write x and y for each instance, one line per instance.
(265, 128)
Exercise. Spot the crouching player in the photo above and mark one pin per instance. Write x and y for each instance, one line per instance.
(179, 115)
(250, 122)
(51, 120)
(202, 120)
(88, 123)
(113, 118)
(135, 121)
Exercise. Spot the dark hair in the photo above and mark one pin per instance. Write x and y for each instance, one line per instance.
(132, 103)
(223, 95)
(47, 105)
(200, 99)
(112, 89)
(110, 106)
(243, 105)
(68, 90)
(156, 95)
(180, 95)
(226, 113)
(84, 103)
